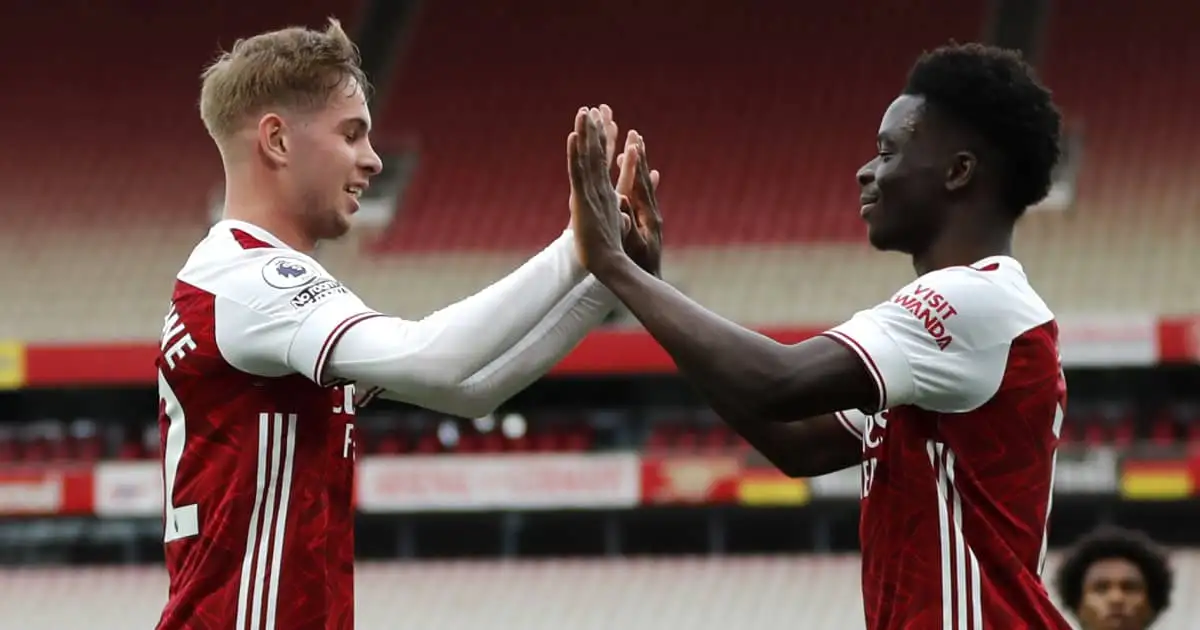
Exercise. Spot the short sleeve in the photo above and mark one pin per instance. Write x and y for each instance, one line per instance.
(941, 343)
(277, 313)
(853, 421)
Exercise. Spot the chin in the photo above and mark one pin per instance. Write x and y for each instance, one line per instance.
(891, 240)
(340, 228)
(882, 241)
(335, 227)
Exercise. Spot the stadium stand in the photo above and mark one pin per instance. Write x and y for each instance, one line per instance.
(84, 440)
(758, 121)
(107, 171)
(488, 117)
(499, 74)
(632, 594)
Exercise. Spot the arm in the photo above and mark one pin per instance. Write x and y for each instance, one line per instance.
(804, 448)
(745, 376)
(748, 378)
(455, 342)
(393, 355)
(459, 340)
(941, 342)
(756, 384)
(280, 313)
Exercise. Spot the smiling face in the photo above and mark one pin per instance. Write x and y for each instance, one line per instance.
(289, 108)
(330, 162)
(906, 187)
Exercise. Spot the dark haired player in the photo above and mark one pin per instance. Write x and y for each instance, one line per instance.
(1115, 579)
(957, 375)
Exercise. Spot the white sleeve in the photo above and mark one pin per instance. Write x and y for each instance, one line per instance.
(412, 380)
(279, 312)
(941, 343)
(476, 353)
(853, 421)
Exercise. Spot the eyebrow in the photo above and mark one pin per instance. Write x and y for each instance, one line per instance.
(358, 122)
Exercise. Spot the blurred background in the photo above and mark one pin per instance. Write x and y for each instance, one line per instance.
(605, 496)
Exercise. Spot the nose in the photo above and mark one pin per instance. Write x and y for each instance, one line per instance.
(371, 162)
(866, 174)
(1115, 601)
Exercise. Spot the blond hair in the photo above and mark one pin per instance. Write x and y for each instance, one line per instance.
(293, 68)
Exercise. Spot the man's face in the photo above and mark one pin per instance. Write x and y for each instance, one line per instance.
(902, 186)
(331, 162)
(1114, 597)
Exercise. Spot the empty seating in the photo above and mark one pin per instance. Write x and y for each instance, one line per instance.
(780, 592)
(758, 121)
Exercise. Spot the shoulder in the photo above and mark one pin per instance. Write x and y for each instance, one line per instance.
(972, 307)
(236, 265)
(942, 342)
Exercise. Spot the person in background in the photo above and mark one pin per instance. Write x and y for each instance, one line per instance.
(1115, 579)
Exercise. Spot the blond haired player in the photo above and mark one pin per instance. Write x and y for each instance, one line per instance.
(264, 355)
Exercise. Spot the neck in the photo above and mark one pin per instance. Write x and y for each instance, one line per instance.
(961, 245)
(257, 203)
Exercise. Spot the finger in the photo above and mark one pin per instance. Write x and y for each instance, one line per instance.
(647, 178)
(594, 140)
(628, 170)
(573, 143)
(581, 120)
(625, 179)
(647, 211)
(643, 159)
(574, 164)
(610, 133)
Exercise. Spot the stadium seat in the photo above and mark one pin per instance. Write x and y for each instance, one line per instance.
(768, 593)
(758, 166)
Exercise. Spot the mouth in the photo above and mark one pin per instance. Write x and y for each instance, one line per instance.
(356, 192)
(867, 201)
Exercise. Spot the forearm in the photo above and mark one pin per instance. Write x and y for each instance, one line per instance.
(459, 340)
(804, 448)
(584, 308)
(734, 368)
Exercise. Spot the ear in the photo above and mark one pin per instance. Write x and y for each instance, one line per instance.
(961, 170)
(272, 139)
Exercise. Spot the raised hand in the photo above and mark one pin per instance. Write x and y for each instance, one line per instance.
(595, 212)
(636, 187)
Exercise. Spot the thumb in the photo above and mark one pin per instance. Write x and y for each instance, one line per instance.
(626, 224)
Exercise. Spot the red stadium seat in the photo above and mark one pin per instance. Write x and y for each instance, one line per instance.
(758, 165)
(490, 106)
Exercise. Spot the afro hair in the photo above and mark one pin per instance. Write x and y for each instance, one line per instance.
(996, 94)
(1109, 543)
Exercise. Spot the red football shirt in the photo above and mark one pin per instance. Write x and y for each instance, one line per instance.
(258, 450)
(958, 469)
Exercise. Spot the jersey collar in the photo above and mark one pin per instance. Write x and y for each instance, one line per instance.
(251, 229)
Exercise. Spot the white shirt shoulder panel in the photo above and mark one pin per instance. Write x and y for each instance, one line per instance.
(942, 342)
(277, 311)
